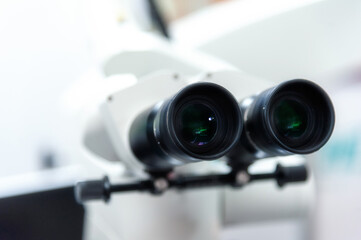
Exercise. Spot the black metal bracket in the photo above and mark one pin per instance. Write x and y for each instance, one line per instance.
(102, 189)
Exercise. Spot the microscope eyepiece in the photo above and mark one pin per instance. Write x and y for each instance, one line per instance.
(301, 116)
(204, 120)
(295, 117)
(201, 122)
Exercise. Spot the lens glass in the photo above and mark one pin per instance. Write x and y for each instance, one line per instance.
(290, 118)
(197, 124)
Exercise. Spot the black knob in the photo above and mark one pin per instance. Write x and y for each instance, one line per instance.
(92, 190)
(290, 174)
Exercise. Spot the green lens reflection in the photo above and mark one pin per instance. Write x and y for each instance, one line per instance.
(290, 118)
(198, 124)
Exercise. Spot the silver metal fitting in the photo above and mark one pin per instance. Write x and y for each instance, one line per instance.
(242, 178)
(161, 184)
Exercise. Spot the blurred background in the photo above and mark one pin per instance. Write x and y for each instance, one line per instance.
(47, 47)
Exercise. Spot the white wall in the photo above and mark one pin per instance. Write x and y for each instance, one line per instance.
(43, 48)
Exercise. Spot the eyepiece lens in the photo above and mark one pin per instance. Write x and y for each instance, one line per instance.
(198, 124)
(290, 118)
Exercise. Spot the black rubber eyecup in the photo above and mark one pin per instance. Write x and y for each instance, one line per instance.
(204, 121)
(314, 108)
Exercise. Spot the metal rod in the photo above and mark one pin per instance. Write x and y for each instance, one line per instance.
(102, 189)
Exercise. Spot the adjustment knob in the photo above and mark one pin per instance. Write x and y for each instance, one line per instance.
(92, 190)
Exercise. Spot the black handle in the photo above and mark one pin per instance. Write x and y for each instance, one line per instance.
(290, 174)
(101, 189)
(92, 190)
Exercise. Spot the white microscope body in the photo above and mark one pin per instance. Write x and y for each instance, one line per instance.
(115, 102)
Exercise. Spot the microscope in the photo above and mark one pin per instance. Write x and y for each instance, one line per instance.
(204, 122)
(188, 141)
